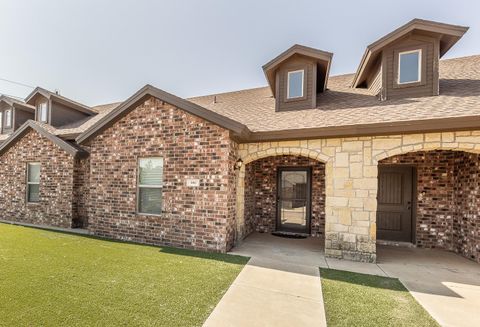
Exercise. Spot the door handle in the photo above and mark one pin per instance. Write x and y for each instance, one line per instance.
(409, 205)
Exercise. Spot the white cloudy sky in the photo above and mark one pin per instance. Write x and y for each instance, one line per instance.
(104, 50)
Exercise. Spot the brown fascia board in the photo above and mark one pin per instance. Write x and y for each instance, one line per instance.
(24, 106)
(415, 24)
(239, 131)
(60, 99)
(32, 125)
(295, 49)
(376, 129)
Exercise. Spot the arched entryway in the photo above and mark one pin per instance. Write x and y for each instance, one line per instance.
(431, 199)
(284, 193)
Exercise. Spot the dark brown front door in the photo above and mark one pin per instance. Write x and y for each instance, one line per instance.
(293, 199)
(394, 206)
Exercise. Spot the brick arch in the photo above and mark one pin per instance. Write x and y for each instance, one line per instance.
(279, 151)
(464, 147)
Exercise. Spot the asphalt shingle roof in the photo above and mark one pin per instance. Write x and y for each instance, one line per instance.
(342, 105)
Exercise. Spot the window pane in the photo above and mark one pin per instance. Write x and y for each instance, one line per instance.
(409, 64)
(43, 111)
(34, 173)
(151, 171)
(1, 120)
(8, 118)
(33, 192)
(150, 200)
(295, 84)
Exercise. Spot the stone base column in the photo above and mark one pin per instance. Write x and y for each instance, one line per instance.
(351, 205)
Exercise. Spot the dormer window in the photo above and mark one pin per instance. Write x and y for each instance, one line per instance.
(8, 118)
(410, 67)
(43, 112)
(295, 84)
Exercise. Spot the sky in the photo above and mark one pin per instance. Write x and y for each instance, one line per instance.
(102, 51)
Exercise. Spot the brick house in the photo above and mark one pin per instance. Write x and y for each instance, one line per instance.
(390, 153)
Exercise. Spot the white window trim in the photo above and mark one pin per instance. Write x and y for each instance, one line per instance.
(419, 51)
(32, 183)
(8, 122)
(288, 83)
(1, 122)
(139, 186)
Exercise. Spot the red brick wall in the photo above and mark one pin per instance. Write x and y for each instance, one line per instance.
(56, 182)
(193, 217)
(466, 223)
(81, 192)
(447, 194)
(261, 192)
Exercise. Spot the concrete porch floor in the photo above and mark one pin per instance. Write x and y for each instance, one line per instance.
(445, 284)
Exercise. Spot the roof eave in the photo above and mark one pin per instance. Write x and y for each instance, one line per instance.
(238, 129)
(30, 124)
(390, 128)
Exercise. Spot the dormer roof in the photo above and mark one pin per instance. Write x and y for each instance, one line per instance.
(448, 35)
(16, 103)
(30, 99)
(323, 58)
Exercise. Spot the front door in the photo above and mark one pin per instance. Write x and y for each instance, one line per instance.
(293, 199)
(394, 203)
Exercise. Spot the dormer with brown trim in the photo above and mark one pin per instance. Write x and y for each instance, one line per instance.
(56, 110)
(404, 63)
(297, 76)
(13, 113)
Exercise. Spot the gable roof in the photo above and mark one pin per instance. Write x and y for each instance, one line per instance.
(42, 130)
(59, 99)
(322, 57)
(238, 129)
(16, 103)
(449, 35)
(345, 111)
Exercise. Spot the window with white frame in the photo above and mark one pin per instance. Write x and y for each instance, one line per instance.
(295, 84)
(1, 122)
(410, 66)
(8, 118)
(33, 182)
(150, 186)
(43, 112)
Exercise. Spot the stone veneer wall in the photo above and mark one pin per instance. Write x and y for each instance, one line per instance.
(56, 182)
(194, 217)
(261, 192)
(351, 180)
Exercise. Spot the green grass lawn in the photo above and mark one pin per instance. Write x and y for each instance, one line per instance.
(57, 279)
(359, 300)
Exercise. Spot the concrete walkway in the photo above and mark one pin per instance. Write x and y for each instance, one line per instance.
(280, 286)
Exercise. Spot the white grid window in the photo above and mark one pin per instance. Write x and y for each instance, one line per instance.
(150, 186)
(33, 182)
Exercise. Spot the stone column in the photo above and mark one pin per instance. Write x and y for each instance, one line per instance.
(240, 210)
(351, 190)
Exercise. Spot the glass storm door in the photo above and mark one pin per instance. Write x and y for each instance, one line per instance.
(293, 200)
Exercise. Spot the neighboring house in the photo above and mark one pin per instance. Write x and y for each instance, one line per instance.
(389, 153)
